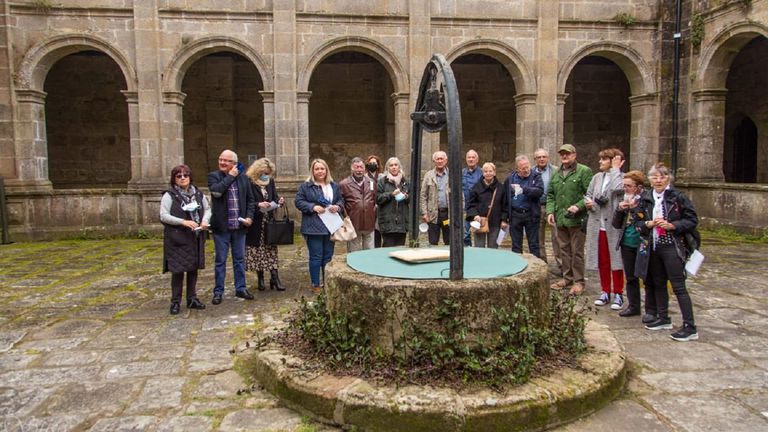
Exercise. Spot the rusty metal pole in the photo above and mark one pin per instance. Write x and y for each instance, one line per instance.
(438, 106)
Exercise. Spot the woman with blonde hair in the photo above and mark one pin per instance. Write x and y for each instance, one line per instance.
(393, 199)
(317, 195)
(259, 256)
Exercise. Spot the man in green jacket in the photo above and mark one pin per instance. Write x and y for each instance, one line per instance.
(566, 212)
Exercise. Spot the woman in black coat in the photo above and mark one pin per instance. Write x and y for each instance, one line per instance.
(185, 214)
(480, 197)
(393, 199)
(669, 215)
(259, 256)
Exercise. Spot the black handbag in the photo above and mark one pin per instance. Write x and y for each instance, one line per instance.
(279, 231)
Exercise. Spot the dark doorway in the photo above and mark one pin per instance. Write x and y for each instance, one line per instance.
(739, 161)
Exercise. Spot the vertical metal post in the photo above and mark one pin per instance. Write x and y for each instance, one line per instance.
(676, 87)
(6, 238)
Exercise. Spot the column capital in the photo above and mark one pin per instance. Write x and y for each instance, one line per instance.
(303, 97)
(644, 99)
(525, 99)
(174, 98)
(132, 97)
(715, 94)
(400, 98)
(267, 96)
(561, 97)
(31, 96)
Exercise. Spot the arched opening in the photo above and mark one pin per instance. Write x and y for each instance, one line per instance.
(597, 111)
(223, 110)
(488, 112)
(351, 112)
(745, 150)
(87, 122)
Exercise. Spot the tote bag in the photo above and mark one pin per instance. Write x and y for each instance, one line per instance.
(279, 231)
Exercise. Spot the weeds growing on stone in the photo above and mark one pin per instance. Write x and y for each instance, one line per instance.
(523, 347)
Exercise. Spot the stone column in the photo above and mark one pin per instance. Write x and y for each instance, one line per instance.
(31, 143)
(547, 35)
(561, 98)
(644, 137)
(152, 161)
(285, 105)
(268, 101)
(302, 131)
(526, 114)
(173, 127)
(705, 148)
(402, 129)
(7, 125)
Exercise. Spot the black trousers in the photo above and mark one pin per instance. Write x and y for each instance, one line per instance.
(393, 239)
(628, 257)
(665, 265)
(177, 280)
(433, 233)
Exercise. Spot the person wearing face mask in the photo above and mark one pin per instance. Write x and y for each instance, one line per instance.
(185, 213)
(373, 170)
(359, 192)
(259, 256)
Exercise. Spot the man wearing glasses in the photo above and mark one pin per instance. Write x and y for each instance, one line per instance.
(233, 208)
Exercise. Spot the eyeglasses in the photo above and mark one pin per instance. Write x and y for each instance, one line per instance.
(226, 160)
(181, 176)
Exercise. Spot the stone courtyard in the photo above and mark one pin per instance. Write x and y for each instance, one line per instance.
(86, 343)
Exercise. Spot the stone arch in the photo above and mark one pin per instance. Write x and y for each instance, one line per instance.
(40, 58)
(375, 49)
(638, 73)
(717, 57)
(189, 54)
(518, 68)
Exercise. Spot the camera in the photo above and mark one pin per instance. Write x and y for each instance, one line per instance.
(601, 200)
(569, 215)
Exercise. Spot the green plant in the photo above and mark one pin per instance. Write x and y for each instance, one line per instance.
(746, 3)
(624, 19)
(43, 5)
(697, 30)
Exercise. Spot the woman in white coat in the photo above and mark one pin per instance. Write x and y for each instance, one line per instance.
(605, 192)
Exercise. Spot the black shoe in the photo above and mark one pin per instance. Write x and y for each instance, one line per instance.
(175, 308)
(195, 303)
(274, 281)
(260, 280)
(216, 299)
(244, 294)
(685, 333)
(649, 318)
(628, 312)
(660, 324)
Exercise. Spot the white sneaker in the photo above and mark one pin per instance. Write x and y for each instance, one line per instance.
(618, 302)
(603, 299)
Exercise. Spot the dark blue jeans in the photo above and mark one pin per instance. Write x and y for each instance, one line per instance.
(523, 222)
(222, 243)
(320, 253)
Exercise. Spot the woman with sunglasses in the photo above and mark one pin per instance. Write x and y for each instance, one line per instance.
(185, 214)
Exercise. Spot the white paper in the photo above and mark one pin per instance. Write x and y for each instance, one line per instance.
(502, 234)
(694, 263)
(332, 221)
(272, 205)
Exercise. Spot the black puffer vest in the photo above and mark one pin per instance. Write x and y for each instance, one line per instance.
(183, 249)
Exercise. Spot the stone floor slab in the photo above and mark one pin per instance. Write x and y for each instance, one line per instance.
(678, 356)
(69, 329)
(124, 424)
(17, 359)
(19, 402)
(159, 393)
(92, 399)
(710, 380)
(221, 385)
(186, 424)
(48, 377)
(141, 369)
(616, 417)
(8, 339)
(260, 420)
(26, 424)
(704, 413)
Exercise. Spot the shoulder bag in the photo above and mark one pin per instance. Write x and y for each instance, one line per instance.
(484, 221)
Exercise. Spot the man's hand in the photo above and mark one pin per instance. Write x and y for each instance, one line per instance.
(551, 219)
(234, 171)
(573, 209)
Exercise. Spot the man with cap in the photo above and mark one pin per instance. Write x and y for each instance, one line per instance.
(566, 212)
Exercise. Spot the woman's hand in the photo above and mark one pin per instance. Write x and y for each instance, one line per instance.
(588, 203)
(624, 205)
(333, 208)
(190, 224)
(396, 191)
(504, 225)
(204, 226)
(264, 204)
(617, 162)
(318, 209)
(666, 225)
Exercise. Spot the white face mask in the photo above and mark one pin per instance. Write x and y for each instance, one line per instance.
(192, 206)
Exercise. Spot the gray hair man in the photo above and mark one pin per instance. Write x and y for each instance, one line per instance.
(359, 193)
(434, 199)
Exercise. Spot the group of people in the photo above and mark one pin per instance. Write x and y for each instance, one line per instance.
(242, 203)
(606, 222)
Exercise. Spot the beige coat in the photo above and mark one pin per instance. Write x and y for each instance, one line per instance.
(428, 195)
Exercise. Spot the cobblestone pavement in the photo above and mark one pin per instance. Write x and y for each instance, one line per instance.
(86, 343)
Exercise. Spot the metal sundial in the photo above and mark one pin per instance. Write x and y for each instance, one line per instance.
(438, 105)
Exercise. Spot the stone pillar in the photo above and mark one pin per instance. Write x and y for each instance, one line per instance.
(561, 98)
(173, 127)
(7, 145)
(285, 105)
(705, 148)
(643, 135)
(152, 163)
(31, 143)
(268, 101)
(419, 53)
(402, 129)
(526, 113)
(547, 36)
(302, 131)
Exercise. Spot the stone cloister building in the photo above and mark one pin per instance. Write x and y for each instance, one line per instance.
(101, 98)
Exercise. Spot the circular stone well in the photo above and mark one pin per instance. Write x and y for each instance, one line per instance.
(389, 304)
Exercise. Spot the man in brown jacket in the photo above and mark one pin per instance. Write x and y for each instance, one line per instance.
(359, 192)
